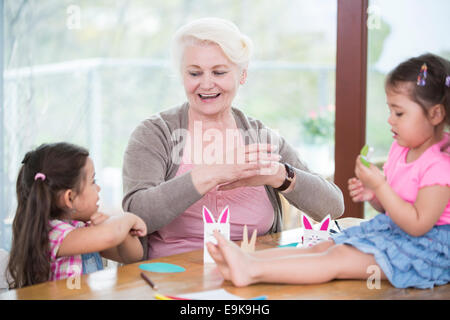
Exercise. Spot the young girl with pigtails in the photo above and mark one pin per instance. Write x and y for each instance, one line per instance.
(410, 240)
(57, 230)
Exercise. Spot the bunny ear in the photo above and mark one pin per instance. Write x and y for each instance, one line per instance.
(325, 223)
(225, 215)
(207, 216)
(306, 223)
(245, 234)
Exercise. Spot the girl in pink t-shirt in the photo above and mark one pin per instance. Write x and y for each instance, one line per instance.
(57, 230)
(411, 242)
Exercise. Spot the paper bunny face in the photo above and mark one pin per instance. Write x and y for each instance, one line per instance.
(222, 225)
(313, 234)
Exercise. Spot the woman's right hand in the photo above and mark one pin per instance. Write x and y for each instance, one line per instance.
(358, 192)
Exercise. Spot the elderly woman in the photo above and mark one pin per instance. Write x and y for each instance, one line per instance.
(206, 152)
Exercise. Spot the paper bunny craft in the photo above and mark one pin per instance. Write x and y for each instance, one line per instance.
(313, 234)
(222, 225)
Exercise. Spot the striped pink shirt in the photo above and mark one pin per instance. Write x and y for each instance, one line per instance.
(248, 206)
(63, 267)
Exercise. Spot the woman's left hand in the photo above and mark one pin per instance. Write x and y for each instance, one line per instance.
(272, 176)
(371, 177)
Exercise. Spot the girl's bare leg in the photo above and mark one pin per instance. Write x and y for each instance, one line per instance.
(280, 252)
(338, 262)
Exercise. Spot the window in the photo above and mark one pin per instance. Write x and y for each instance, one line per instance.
(88, 72)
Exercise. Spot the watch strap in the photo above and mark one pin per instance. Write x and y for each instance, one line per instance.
(288, 179)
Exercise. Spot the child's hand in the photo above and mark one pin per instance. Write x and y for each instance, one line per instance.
(358, 192)
(98, 218)
(139, 228)
(372, 177)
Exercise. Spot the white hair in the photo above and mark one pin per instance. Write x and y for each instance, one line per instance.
(236, 46)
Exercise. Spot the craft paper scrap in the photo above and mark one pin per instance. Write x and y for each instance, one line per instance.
(161, 267)
(288, 245)
(219, 294)
(245, 245)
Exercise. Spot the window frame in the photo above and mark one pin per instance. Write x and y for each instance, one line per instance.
(351, 80)
(2, 146)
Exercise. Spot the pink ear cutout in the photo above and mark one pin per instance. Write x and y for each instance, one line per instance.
(224, 215)
(306, 222)
(325, 224)
(207, 216)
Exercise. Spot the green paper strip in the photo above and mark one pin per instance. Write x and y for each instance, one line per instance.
(365, 161)
(364, 151)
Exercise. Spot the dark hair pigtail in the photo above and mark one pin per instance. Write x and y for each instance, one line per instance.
(31, 236)
(39, 205)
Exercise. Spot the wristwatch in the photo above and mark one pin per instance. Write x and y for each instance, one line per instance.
(289, 177)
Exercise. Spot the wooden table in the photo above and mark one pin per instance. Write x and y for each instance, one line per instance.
(125, 282)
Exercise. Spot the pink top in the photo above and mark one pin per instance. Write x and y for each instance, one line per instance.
(63, 267)
(431, 168)
(248, 206)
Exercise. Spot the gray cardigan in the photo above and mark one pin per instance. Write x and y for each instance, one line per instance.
(152, 191)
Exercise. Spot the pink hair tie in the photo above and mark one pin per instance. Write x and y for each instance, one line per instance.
(39, 176)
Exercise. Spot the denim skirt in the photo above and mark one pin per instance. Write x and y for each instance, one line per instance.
(407, 261)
